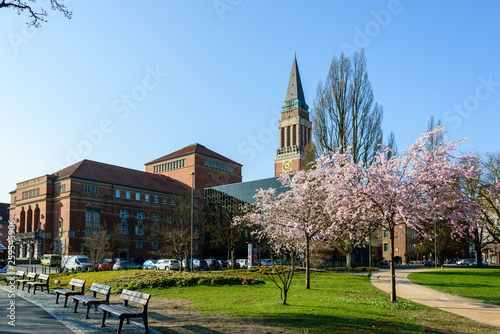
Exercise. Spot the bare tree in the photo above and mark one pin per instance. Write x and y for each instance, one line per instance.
(36, 13)
(221, 232)
(170, 225)
(345, 115)
(97, 246)
(344, 112)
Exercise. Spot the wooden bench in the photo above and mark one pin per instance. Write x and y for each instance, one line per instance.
(29, 277)
(78, 283)
(93, 300)
(15, 277)
(126, 312)
(43, 281)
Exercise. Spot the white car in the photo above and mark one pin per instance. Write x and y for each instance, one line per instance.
(243, 263)
(463, 262)
(167, 264)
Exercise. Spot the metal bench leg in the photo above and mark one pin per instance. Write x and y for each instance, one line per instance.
(76, 305)
(145, 318)
(88, 309)
(29, 288)
(103, 319)
(121, 325)
(66, 301)
(34, 289)
(57, 298)
(128, 320)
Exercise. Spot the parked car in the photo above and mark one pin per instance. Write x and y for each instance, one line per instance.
(125, 265)
(198, 264)
(76, 262)
(266, 262)
(224, 264)
(149, 264)
(236, 264)
(213, 264)
(167, 264)
(106, 265)
(463, 262)
(429, 264)
(243, 263)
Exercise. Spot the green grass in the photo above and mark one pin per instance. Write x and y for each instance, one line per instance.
(479, 283)
(336, 303)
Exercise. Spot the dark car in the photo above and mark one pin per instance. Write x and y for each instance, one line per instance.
(429, 264)
(213, 264)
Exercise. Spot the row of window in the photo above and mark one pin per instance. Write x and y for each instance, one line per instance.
(91, 189)
(169, 166)
(31, 193)
(60, 188)
(156, 199)
(155, 245)
(219, 166)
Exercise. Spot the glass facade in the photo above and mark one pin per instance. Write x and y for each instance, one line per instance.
(243, 192)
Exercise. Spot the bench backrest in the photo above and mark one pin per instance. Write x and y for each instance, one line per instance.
(31, 275)
(77, 283)
(20, 274)
(136, 297)
(99, 288)
(43, 277)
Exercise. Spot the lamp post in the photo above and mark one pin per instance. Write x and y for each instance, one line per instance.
(192, 198)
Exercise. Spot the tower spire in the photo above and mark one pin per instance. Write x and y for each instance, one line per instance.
(295, 94)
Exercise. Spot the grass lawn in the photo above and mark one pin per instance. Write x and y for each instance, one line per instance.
(479, 283)
(336, 303)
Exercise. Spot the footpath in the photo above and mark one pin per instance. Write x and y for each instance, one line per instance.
(477, 311)
(40, 314)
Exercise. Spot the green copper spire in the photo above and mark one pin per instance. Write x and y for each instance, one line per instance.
(295, 94)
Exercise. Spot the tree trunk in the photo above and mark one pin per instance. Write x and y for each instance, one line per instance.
(308, 278)
(350, 259)
(479, 255)
(393, 269)
(232, 259)
(285, 293)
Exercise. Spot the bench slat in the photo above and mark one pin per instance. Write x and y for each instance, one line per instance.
(120, 310)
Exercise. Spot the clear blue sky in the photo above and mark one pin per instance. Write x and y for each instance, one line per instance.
(220, 72)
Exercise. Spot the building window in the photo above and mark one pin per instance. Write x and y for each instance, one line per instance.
(92, 221)
(139, 228)
(196, 247)
(155, 217)
(123, 214)
(127, 195)
(86, 188)
(164, 200)
(31, 193)
(123, 227)
(140, 215)
(60, 188)
(386, 234)
(146, 198)
(172, 202)
(95, 190)
(386, 247)
(155, 245)
(137, 196)
(156, 199)
(139, 245)
(117, 193)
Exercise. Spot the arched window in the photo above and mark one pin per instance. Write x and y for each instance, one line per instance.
(139, 228)
(123, 227)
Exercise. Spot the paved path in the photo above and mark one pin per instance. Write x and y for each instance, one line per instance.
(477, 311)
(55, 318)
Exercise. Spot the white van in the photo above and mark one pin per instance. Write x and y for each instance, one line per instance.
(75, 262)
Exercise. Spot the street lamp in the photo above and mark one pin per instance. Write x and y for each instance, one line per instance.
(192, 198)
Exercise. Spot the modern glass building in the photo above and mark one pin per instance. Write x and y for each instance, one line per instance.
(241, 193)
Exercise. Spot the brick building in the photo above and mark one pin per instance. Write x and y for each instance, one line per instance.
(405, 244)
(54, 213)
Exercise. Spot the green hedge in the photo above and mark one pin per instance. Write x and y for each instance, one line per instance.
(188, 280)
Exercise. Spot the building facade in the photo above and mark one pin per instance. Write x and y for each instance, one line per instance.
(55, 213)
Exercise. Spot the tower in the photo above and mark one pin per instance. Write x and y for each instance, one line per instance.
(294, 127)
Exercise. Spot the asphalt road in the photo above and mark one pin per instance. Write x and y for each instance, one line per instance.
(28, 317)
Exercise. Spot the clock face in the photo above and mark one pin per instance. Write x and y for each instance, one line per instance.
(287, 166)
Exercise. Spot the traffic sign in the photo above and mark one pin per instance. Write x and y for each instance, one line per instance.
(30, 250)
